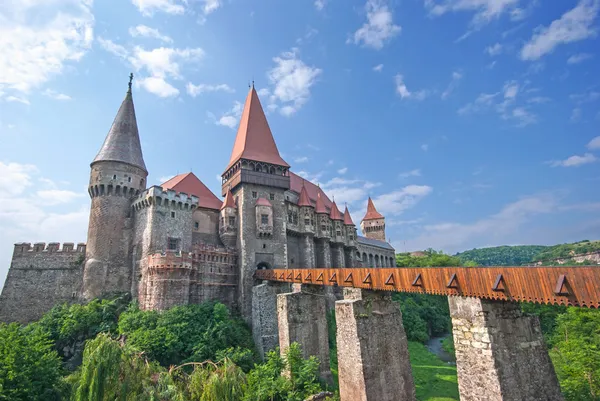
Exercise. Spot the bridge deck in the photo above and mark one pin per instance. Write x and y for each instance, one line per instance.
(566, 285)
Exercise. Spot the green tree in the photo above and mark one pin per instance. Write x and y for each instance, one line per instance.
(30, 369)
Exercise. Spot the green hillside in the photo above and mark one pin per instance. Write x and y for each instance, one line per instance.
(503, 255)
(566, 250)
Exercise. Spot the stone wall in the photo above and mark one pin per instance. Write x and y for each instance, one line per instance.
(374, 256)
(207, 229)
(294, 252)
(39, 278)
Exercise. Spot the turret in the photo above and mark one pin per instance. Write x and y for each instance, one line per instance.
(228, 221)
(373, 224)
(337, 222)
(350, 229)
(118, 174)
(323, 220)
(307, 211)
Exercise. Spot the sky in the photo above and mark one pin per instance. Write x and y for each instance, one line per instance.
(470, 123)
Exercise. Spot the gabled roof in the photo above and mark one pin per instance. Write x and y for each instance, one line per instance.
(254, 140)
(347, 217)
(229, 201)
(191, 185)
(304, 200)
(122, 143)
(335, 212)
(263, 202)
(296, 184)
(320, 204)
(372, 213)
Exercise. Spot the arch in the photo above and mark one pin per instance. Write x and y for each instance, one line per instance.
(371, 262)
(365, 261)
(377, 262)
(263, 266)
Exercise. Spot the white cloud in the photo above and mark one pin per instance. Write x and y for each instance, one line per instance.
(57, 196)
(403, 91)
(574, 25)
(37, 42)
(539, 99)
(378, 29)
(594, 143)
(412, 173)
(343, 170)
(16, 99)
(113, 48)
(346, 190)
(320, 4)
(302, 159)
(511, 89)
(195, 90)
(378, 68)
(232, 117)
(456, 77)
(164, 61)
(579, 58)
(15, 178)
(494, 50)
(158, 86)
(55, 95)
(424, 147)
(149, 7)
(574, 161)
(576, 114)
(292, 80)
(523, 116)
(485, 10)
(396, 202)
(147, 32)
(211, 6)
(586, 97)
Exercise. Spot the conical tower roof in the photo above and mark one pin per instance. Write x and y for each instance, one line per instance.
(304, 200)
(254, 140)
(372, 213)
(229, 201)
(122, 144)
(347, 217)
(320, 205)
(335, 212)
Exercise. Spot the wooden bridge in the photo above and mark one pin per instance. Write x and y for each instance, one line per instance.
(500, 352)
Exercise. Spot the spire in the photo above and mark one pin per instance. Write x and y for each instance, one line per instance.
(122, 143)
(304, 200)
(347, 218)
(372, 213)
(320, 205)
(335, 212)
(254, 140)
(228, 202)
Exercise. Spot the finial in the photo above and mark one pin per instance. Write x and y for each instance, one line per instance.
(253, 83)
(130, 80)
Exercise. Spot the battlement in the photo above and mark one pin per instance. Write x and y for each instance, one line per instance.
(165, 197)
(52, 247)
(170, 260)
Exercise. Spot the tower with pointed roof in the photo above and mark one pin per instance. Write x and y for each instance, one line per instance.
(373, 224)
(118, 174)
(257, 177)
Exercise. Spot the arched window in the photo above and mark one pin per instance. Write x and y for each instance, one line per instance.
(263, 266)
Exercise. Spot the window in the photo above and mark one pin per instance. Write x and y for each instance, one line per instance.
(231, 220)
(222, 220)
(196, 225)
(114, 177)
(306, 222)
(129, 179)
(323, 228)
(289, 216)
(254, 194)
(338, 233)
(173, 214)
(264, 219)
(173, 244)
(272, 196)
(264, 246)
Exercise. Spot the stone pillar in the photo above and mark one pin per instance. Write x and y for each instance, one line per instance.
(302, 318)
(349, 257)
(308, 252)
(373, 362)
(264, 315)
(500, 353)
(337, 255)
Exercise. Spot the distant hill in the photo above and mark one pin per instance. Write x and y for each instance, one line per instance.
(502, 255)
(563, 251)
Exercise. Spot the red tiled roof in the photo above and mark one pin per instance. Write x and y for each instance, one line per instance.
(347, 217)
(320, 204)
(304, 199)
(191, 185)
(254, 140)
(296, 183)
(335, 212)
(228, 202)
(263, 202)
(372, 213)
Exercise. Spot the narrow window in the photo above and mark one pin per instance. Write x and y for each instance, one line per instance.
(254, 194)
(272, 196)
(129, 179)
(264, 246)
(231, 220)
(196, 225)
(264, 219)
(306, 222)
(173, 214)
(173, 244)
(114, 177)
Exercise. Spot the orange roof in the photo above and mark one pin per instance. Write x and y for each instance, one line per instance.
(320, 205)
(347, 217)
(254, 140)
(335, 213)
(372, 213)
(191, 185)
(296, 184)
(304, 199)
(228, 202)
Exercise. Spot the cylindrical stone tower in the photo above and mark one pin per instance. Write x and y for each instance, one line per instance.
(118, 174)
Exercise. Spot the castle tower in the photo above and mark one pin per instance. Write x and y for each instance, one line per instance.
(118, 174)
(228, 221)
(350, 248)
(322, 233)
(258, 178)
(338, 237)
(373, 224)
(307, 224)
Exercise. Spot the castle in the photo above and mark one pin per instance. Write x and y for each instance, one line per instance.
(178, 243)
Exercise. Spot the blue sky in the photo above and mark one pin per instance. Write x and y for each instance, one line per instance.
(470, 122)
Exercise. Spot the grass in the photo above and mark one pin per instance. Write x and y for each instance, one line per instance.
(435, 380)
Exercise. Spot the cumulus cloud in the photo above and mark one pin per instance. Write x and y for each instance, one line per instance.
(404, 93)
(149, 7)
(195, 90)
(594, 143)
(494, 50)
(412, 173)
(157, 86)
(230, 118)
(320, 4)
(113, 47)
(574, 25)
(17, 99)
(575, 161)
(379, 28)
(147, 32)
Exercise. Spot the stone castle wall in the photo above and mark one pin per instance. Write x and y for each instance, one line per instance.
(40, 277)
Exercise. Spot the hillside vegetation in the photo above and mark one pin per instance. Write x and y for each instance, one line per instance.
(567, 250)
(502, 255)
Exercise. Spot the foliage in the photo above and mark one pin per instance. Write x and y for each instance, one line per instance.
(502, 255)
(434, 379)
(30, 369)
(547, 315)
(429, 259)
(448, 345)
(566, 250)
(186, 333)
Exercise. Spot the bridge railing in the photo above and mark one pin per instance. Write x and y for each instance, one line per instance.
(565, 285)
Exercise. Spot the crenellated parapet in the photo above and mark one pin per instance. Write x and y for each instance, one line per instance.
(67, 247)
(166, 198)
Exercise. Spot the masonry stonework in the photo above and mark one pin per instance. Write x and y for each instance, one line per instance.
(500, 353)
